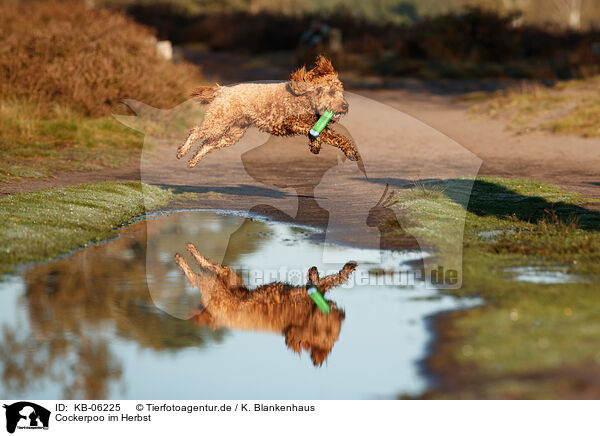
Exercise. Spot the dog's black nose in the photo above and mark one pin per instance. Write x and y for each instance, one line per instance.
(345, 106)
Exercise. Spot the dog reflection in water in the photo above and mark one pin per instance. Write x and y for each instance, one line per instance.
(275, 307)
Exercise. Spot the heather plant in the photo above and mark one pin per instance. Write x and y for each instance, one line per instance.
(87, 59)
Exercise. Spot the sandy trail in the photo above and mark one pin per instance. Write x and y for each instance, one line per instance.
(568, 161)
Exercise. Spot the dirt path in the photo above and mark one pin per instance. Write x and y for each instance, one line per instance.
(567, 161)
(70, 178)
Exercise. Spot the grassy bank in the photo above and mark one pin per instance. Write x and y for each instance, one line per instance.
(530, 340)
(37, 142)
(45, 224)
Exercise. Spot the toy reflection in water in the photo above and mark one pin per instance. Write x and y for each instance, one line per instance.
(275, 307)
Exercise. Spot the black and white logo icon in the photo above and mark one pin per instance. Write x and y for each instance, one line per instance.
(26, 415)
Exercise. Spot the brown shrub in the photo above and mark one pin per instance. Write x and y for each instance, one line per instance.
(86, 59)
(467, 42)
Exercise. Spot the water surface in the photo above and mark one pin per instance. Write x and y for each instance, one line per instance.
(111, 321)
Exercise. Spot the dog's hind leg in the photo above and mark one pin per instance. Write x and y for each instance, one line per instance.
(204, 282)
(184, 266)
(202, 261)
(215, 125)
(233, 135)
(233, 279)
(193, 137)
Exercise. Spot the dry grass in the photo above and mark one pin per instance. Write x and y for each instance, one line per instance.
(85, 59)
(568, 107)
(584, 119)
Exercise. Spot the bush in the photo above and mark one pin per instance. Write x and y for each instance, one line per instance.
(473, 36)
(469, 43)
(86, 59)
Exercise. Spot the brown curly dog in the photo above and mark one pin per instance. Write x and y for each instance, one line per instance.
(276, 307)
(286, 108)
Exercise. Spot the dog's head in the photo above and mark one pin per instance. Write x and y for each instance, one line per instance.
(317, 334)
(322, 87)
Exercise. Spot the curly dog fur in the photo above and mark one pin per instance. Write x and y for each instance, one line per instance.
(287, 108)
(276, 307)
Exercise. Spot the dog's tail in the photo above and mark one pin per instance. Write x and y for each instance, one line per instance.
(206, 94)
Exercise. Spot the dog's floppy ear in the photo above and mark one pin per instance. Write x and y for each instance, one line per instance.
(299, 82)
(300, 88)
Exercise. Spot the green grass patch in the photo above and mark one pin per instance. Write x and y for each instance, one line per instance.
(525, 330)
(44, 224)
(36, 142)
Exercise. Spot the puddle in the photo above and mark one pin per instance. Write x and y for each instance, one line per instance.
(109, 321)
(543, 275)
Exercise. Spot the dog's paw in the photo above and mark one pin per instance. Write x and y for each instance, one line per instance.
(314, 145)
(178, 259)
(350, 266)
(353, 155)
(193, 162)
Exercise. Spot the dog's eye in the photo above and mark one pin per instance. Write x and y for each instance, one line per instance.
(332, 92)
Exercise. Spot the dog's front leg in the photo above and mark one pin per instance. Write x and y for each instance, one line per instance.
(300, 125)
(340, 141)
(315, 144)
(295, 125)
(328, 282)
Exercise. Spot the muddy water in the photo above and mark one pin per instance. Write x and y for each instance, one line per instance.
(112, 321)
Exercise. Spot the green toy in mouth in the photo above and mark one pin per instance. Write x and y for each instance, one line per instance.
(318, 299)
(321, 123)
